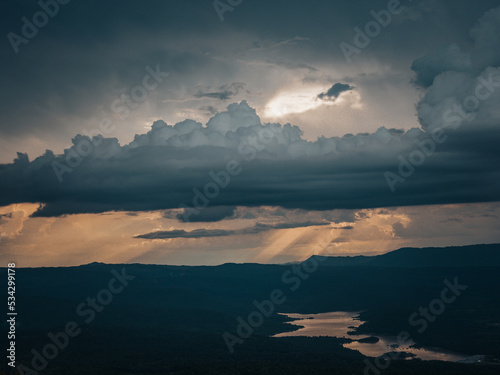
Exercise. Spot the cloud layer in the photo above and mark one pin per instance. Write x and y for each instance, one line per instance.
(201, 233)
(186, 165)
(236, 160)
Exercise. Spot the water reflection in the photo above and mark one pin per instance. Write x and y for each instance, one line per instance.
(341, 324)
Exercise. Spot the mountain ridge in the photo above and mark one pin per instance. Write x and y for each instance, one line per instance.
(480, 255)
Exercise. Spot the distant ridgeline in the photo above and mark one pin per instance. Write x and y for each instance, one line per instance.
(458, 256)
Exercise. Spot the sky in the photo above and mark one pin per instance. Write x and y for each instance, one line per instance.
(205, 132)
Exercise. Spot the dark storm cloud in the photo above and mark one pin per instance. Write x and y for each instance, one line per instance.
(169, 165)
(201, 233)
(430, 66)
(186, 166)
(87, 55)
(333, 92)
(484, 53)
(210, 214)
(90, 51)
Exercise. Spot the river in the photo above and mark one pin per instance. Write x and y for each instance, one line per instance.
(340, 323)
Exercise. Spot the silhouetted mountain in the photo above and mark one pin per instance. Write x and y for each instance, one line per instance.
(455, 256)
(160, 318)
(344, 261)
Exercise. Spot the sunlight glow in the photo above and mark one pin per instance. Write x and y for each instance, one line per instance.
(281, 242)
(304, 99)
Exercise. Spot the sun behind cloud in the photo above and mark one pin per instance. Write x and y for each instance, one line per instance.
(303, 99)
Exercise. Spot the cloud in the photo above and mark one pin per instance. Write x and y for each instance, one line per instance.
(209, 109)
(202, 233)
(186, 165)
(484, 53)
(210, 214)
(464, 86)
(179, 166)
(345, 227)
(224, 92)
(453, 219)
(333, 92)
(430, 66)
(13, 219)
(197, 233)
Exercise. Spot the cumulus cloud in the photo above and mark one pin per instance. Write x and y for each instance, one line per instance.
(13, 218)
(235, 160)
(430, 66)
(464, 86)
(484, 53)
(201, 233)
(486, 40)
